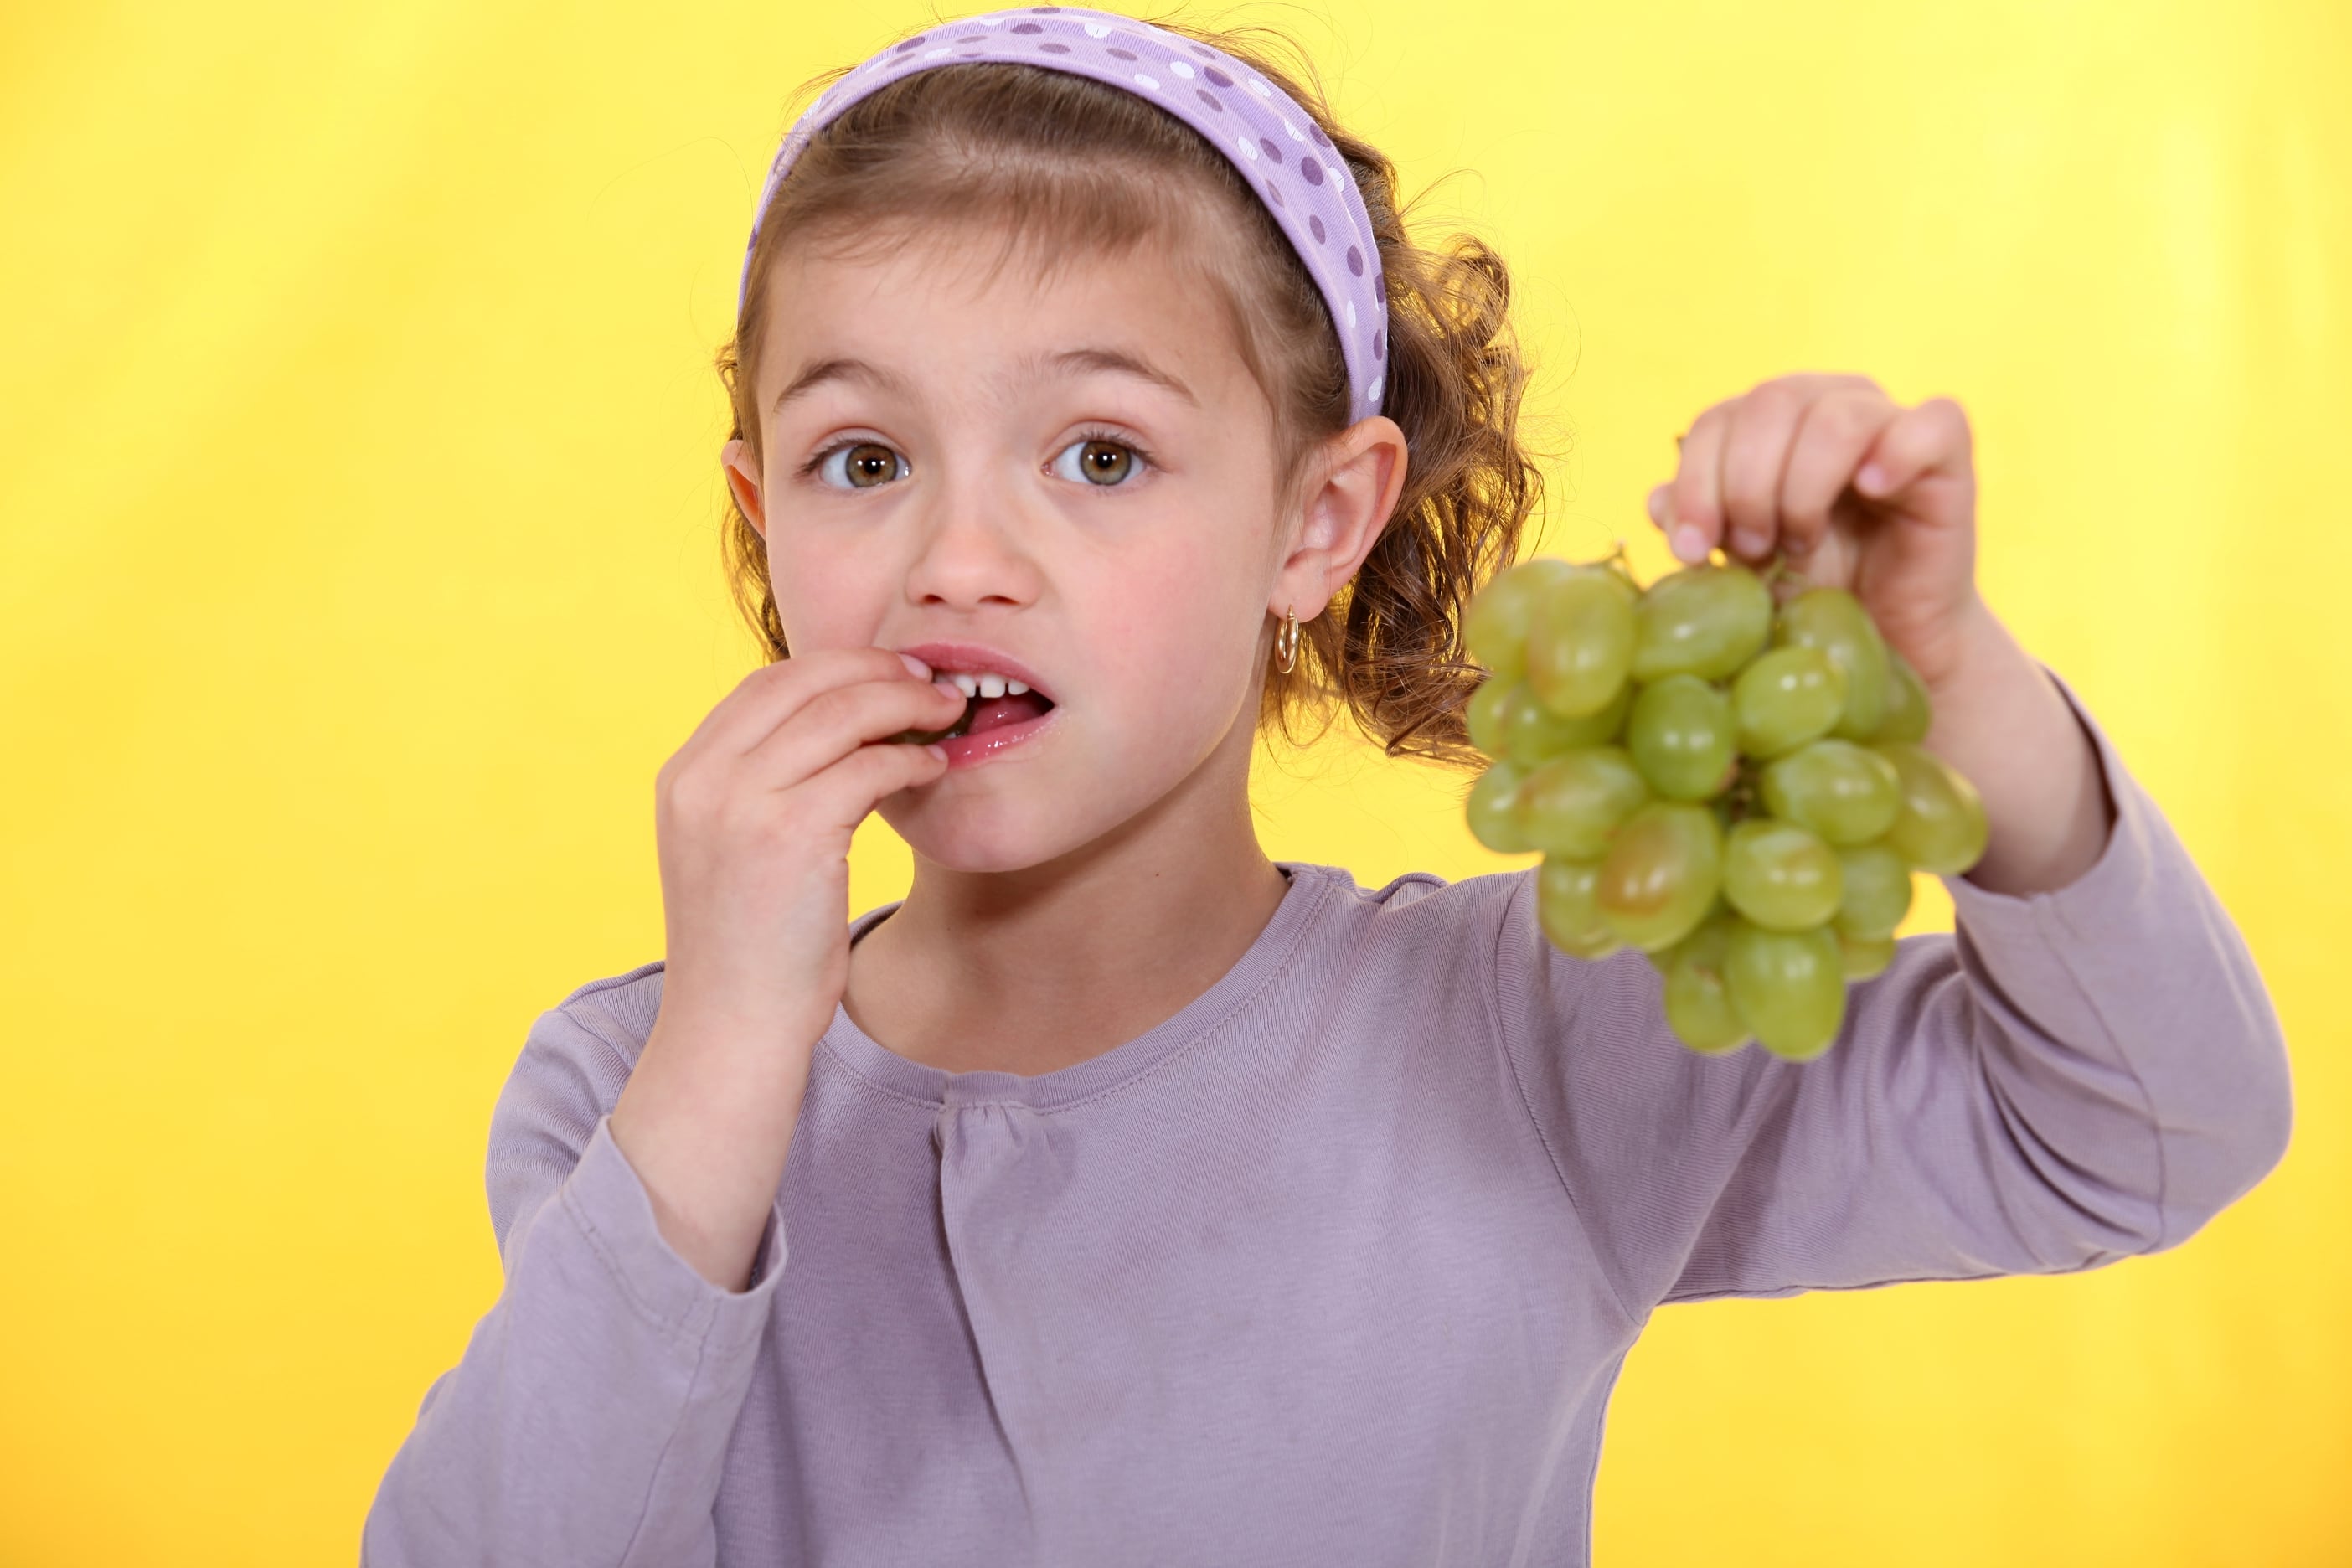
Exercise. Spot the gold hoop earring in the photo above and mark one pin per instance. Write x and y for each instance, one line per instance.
(1285, 640)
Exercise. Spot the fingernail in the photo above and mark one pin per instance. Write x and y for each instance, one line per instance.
(1658, 506)
(920, 670)
(1750, 542)
(1872, 481)
(938, 751)
(1689, 544)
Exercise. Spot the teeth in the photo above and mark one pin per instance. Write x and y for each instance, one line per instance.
(985, 683)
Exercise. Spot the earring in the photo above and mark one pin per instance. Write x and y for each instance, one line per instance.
(1285, 640)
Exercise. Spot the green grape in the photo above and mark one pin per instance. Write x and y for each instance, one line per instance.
(1788, 987)
(1497, 624)
(1580, 643)
(1542, 734)
(1486, 715)
(1565, 910)
(1909, 714)
(1877, 891)
(1505, 721)
(1698, 1001)
(1570, 807)
(1492, 809)
(1680, 736)
(1865, 957)
(1941, 825)
(1779, 875)
(1786, 698)
(1706, 621)
(1845, 792)
(1833, 621)
(1661, 874)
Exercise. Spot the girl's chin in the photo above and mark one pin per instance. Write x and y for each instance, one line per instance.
(977, 836)
(1029, 808)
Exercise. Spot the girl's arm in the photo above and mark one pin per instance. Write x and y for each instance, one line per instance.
(2002, 722)
(2088, 1067)
(589, 1417)
(2072, 1076)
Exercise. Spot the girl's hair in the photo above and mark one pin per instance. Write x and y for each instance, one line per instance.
(1074, 166)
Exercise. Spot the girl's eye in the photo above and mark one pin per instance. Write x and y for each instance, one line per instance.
(861, 465)
(1097, 461)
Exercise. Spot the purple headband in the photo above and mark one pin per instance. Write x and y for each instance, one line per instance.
(1279, 148)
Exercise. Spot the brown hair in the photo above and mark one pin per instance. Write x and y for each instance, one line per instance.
(1054, 158)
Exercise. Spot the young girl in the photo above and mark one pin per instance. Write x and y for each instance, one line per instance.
(1124, 1197)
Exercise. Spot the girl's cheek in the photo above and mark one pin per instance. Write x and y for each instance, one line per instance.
(1173, 662)
(830, 596)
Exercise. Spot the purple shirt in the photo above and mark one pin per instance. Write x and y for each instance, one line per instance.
(1337, 1265)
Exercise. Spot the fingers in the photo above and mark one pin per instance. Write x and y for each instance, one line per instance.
(1931, 439)
(1745, 459)
(1692, 505)
(1756, 443)
(1838, 428)
(771, 694)
(855, 785)
(836, 721)
(833, 727)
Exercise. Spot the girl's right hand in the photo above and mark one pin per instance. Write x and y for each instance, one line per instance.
(753, 816)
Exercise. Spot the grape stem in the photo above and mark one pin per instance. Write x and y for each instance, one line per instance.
(1617, 561)
(1739, 800)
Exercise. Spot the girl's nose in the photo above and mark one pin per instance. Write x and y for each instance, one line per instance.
(973, 551)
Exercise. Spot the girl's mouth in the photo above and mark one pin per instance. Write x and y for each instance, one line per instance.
(1002, 708)
(982, 714)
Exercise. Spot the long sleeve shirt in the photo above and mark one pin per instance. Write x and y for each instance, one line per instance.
(1337, 1265)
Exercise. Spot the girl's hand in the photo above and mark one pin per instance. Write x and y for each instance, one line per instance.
(753, 816)
(1855, 489)
(1858, 492)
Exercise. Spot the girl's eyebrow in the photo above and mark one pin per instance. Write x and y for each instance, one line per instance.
(816, 375)
(1116, 362)
(1066, 362)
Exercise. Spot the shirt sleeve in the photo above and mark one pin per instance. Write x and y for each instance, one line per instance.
(2067, 1078)
(589, 1416)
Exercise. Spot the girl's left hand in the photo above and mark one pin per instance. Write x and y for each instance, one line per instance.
(1855, 489)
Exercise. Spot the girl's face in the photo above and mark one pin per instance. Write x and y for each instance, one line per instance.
(1070, 479)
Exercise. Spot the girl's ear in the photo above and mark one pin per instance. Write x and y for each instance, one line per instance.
(743, 479)
(1359, 475)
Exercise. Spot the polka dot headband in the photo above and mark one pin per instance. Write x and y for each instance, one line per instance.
(1280, 151)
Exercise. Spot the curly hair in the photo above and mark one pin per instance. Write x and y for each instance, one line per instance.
(1054, 159)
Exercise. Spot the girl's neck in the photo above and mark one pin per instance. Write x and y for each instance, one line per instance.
(1030, 971)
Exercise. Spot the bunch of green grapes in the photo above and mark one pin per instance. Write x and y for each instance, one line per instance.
(1733, 787)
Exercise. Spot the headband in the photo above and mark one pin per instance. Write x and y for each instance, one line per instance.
(1285, 157)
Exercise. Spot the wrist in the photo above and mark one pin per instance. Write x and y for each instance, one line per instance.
(716, 998)
(1974, 648)
(2005, 724)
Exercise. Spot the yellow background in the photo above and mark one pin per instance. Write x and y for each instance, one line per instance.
(358, 475)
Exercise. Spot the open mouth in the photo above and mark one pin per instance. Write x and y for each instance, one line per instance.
(993, 699)
(982, 714)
